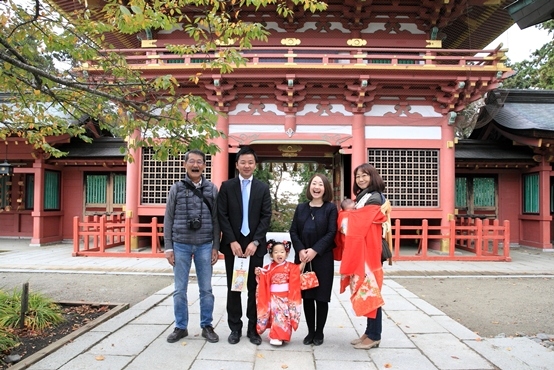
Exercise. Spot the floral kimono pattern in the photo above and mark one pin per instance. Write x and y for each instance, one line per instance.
(279, 300)
(361, 268)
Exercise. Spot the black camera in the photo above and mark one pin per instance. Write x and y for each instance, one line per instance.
(195, 224)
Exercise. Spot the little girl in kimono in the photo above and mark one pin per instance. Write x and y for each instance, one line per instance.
(278, 294)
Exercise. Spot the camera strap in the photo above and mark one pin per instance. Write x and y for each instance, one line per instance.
(198, 193)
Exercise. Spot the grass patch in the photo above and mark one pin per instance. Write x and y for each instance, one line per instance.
(42, 311)
(7, 340)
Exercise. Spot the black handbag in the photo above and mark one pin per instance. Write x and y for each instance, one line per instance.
(386, 253)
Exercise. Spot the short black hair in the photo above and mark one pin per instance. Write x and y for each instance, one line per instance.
(197, 152)
(244, 151)
(328, 190)
(346, 203)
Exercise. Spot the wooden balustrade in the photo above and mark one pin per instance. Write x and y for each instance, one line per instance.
(483, 239)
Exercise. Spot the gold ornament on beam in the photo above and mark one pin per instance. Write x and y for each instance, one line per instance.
(289, 151)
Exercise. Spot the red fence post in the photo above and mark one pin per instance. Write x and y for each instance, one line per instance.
(479, 239)
(507, 241)
(154, 236)
(128, 235)
(75, 235)
(102, 233)
(424, 237)
(396, 238)
(452, 238)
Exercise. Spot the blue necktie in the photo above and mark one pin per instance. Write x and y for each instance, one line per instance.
(245, 229)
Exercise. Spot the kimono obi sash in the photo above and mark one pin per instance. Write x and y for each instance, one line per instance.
(276, 288)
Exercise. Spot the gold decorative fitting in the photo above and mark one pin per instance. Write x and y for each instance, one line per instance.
(148, 43)
(289, 150)
(434, 44)
(356, 42)
(290, 41)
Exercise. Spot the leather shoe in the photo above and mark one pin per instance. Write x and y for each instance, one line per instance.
(318, 340)
(254, 338)
(309, 339)
(177, 334)
(363, 345)
(209, 334)
(234, 337)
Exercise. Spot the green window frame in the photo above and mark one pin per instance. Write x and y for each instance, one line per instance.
(4, 189)
(52, 182)
(461, 192)
(531, 193)
(483, 190)
(96, 189)
(119, 188)
(29, 191)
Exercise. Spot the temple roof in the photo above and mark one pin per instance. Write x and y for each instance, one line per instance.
(103, 147)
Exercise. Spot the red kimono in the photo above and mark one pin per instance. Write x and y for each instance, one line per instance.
(279, 300)
(361, 266)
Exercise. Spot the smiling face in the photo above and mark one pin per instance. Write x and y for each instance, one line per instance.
(278, 253)
(246, 165)
(362, 179)
(194, 166)
(317, 188)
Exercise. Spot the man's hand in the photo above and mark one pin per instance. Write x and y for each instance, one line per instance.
(215, 256)
(237, 250)
(170, 257)
(250, 250)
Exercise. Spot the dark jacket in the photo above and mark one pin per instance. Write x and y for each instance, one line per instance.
(182, 207)
(230, 214)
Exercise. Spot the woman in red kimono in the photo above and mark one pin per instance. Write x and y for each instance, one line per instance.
(279, 298)
(361, 266)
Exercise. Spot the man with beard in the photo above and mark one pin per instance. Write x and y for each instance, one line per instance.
(191, 231)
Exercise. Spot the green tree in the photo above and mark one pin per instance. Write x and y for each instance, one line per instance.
(537, 72)
(42, 98)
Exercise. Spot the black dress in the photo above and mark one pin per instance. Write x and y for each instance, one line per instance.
(315, 227)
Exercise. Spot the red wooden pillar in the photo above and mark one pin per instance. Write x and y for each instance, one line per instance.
(447, 181)
(359, 150)
(133, 186)
(544, 207)
(38, 209)
(220, 161)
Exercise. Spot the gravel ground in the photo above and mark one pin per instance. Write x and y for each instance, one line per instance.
(88, 287)
(487, 306)
(491, 306)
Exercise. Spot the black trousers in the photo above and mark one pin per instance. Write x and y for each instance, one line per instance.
(234, 301)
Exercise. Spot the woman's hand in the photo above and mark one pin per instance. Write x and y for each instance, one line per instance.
(307, 255)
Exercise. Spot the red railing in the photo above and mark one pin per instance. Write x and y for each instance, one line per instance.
(480, 237)
(116, 236)
(463, 239)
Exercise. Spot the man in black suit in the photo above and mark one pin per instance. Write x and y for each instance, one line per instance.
(243, 237)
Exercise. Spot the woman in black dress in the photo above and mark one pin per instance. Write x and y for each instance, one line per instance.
(312, 233)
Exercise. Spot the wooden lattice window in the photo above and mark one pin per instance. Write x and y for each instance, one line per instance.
(51, 190)
(105, 190)
(96, 189)
(531, 193)
(484, 192)
(477, 195)
(411, 175)
(157, 177)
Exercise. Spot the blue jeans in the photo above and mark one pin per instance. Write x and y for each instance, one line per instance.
(202, 254)
(375, 326)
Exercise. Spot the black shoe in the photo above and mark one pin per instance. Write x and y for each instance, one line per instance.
(177, 334)
(234, 337)
(309, 339)
(318, 339)
(254, 337)
(209, 334)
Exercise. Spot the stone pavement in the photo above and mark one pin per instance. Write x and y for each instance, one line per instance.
(416, 335)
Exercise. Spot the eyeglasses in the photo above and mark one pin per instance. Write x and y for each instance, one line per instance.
(362, 175)
(198, 162)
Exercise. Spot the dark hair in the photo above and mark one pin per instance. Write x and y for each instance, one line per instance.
(328, 190)
(272, 243)
(246, 150)
(376, 182)
(195, 151)
(346, 202)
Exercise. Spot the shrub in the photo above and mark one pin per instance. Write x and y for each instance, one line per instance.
(7, 340)
(42, 312)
